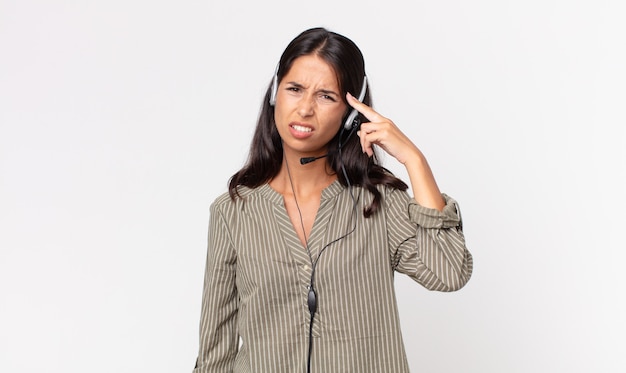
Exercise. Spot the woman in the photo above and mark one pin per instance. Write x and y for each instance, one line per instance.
(303, 249)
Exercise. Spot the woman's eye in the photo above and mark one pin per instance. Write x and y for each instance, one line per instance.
(328, 98)
(293, 89)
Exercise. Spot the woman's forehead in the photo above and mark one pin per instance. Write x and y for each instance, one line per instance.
(311, 69)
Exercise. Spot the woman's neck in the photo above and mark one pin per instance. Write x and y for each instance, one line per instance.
(305, 180)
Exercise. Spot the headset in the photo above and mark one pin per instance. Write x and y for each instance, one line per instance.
(351, 121)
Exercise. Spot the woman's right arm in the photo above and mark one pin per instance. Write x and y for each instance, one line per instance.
(218, 321)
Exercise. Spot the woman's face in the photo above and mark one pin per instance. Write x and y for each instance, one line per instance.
(309, 106)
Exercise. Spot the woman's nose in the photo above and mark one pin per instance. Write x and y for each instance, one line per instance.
(305, 107)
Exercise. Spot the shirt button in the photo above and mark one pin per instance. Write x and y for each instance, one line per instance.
(306, 267)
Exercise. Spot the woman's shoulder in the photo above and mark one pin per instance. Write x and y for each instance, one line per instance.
(226, 198)
(235, 201)
(390, 191)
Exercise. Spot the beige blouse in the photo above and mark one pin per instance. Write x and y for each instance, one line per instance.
(255, 316)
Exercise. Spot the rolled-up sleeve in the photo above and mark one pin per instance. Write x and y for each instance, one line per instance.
(428, 245)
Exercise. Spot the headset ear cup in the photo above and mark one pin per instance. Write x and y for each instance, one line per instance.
(351, 120)
(274, 90)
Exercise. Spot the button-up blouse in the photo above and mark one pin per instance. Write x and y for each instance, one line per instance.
(254, 315)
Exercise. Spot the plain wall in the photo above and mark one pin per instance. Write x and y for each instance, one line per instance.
(121, 121)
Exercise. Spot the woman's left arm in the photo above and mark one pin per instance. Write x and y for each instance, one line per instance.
(435, 254)
(426, 244)
(384, 133)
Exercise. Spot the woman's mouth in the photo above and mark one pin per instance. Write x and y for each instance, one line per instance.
(301, 128)
(300, 131)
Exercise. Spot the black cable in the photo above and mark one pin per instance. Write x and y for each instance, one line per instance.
(312, 303)
(312, 295)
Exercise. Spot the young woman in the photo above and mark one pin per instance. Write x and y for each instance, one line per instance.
(303, 249)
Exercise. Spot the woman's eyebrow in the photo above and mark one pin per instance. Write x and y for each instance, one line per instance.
(322, 91)
(297, 85)
(328, 92)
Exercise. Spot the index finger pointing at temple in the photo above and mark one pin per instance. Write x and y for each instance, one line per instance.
(369, 113)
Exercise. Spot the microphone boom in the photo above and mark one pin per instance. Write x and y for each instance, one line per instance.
(307, 160)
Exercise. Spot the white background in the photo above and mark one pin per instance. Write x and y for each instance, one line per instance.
(121, 121)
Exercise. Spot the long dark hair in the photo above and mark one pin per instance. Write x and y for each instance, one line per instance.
(266, 151)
